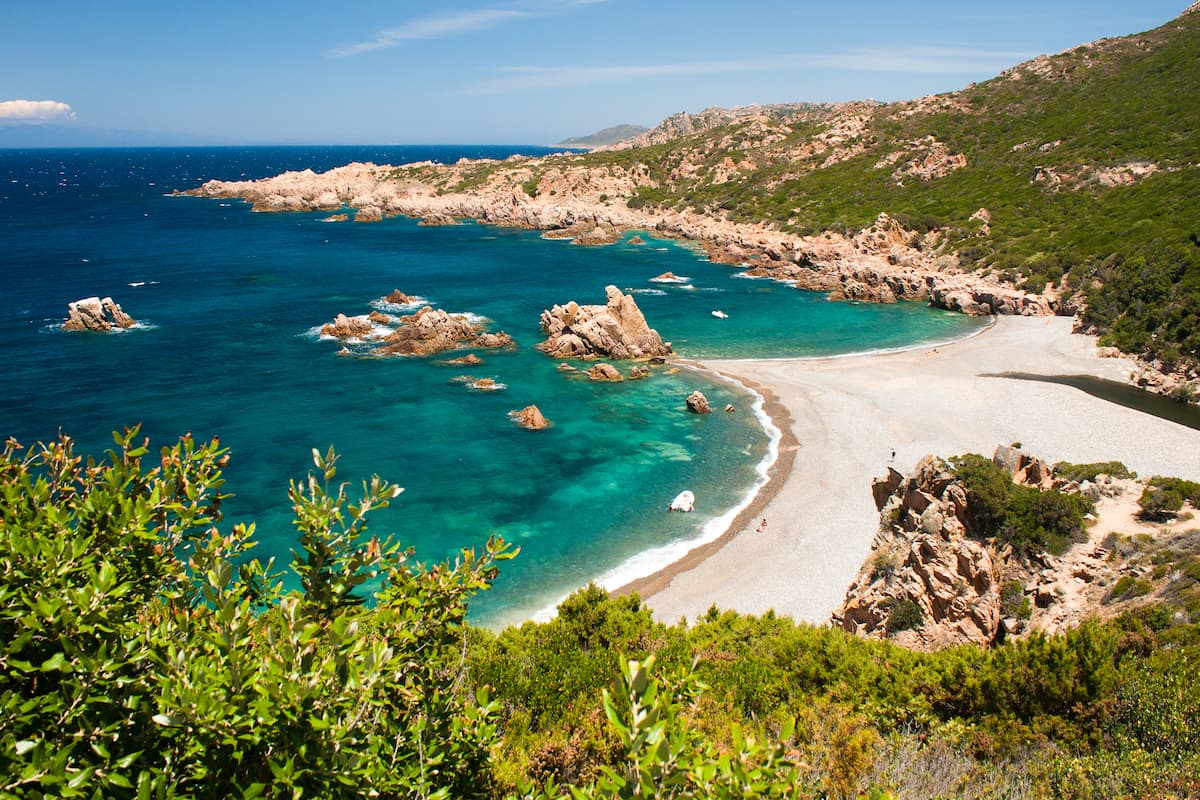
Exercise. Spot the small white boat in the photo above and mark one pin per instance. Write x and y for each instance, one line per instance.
(684, 501)
(719, 314)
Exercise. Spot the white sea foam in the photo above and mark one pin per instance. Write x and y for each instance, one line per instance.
(676, 279)
(651, 561)
(487, 387)
(415, 302)
(652, 292)
(136, 284)
(471, 317)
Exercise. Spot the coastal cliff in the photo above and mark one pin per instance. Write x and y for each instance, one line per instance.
(976, 551)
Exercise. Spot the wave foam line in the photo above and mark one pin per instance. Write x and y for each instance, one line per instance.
(648, 562)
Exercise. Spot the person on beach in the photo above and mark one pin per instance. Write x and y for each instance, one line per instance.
(762, 526)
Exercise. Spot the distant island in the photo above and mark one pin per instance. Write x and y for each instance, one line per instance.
(611, 135)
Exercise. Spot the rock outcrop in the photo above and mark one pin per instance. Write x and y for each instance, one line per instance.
(928, 555)
(924, 554)
(697, 403)
(530, 417)
(605, 372)
(344, 327)
(95, 314)
(433, 331)
(424, 332)
(615, 330)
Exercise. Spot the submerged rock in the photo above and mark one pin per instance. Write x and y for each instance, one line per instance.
(94, 314)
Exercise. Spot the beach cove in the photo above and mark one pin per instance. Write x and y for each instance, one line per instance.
(845, 415)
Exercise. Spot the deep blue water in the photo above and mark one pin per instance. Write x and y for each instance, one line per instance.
(230, 299)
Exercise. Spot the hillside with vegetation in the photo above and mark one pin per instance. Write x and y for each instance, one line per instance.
(145, 652)
(1079, 170)
(607, 136)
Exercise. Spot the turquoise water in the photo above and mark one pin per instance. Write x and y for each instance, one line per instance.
(230, 299)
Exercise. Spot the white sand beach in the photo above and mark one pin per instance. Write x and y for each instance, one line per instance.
(848, 414)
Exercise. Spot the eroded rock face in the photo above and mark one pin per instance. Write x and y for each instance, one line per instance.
(924, 553)
(530, 417)
(615, 330)
(437, 220)
(95, 314)
(697, 403)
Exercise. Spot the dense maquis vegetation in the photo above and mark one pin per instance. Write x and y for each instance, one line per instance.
(1037, 144)
(1028, 518)
(146, 653)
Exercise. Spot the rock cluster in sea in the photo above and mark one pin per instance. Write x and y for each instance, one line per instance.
(614, 330)
(424, 332)
(95, 314)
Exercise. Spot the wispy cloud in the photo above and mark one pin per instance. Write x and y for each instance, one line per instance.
(35, 111)
(938, 59)
(453, 23)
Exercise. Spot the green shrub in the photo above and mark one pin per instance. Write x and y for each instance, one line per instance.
(1030, 519)
(143, 653)
(1163, 497)
(1013, 602)
(1128, 587)
(903, 615)
(1089, 472)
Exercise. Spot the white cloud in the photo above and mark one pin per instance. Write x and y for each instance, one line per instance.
(35, 111)
(926, 60)
(441, 26)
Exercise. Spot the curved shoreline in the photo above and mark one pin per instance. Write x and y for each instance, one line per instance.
(777, 472)
(850, 412)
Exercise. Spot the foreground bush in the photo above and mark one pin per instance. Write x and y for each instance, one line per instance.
(142, 653)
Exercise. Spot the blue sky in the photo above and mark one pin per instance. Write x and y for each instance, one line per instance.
(521, 71)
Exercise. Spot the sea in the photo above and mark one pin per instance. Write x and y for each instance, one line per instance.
(230, 302)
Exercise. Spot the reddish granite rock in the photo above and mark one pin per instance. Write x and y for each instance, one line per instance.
(615, 330)
(94, 314)
(530, 418)
(344, 327)
(697, 403)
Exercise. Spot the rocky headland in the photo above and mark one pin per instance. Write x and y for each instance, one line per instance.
(592, 205)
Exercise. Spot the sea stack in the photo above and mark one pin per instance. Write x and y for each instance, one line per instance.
(614, 330)
(94, 314)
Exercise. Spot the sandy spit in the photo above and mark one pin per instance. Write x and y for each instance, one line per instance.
(843, 417)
